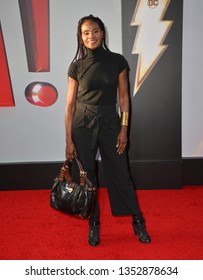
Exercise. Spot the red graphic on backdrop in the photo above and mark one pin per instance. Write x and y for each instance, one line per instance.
(35, 23)
(41, 94)
(6, 92)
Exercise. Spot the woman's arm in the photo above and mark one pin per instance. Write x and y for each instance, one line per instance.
(69, 113)
(124, 107)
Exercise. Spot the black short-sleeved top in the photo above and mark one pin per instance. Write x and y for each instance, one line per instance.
(97, 74)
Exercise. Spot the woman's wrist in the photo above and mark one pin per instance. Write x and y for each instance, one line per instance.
(124, 127)
(68, 140)
(124, 119)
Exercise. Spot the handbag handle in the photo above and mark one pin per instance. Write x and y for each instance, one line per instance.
(66, 173)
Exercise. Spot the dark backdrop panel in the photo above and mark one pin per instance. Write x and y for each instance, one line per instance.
(155, 131)
(41, 175)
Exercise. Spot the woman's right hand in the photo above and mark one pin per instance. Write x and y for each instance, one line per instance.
(70, 150)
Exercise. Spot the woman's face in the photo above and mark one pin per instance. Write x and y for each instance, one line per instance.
(92, 34)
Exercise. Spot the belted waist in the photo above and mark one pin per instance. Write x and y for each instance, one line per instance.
(96, 113)
(91, 117)
(104, 109)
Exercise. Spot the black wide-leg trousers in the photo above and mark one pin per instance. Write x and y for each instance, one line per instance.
(91, 133)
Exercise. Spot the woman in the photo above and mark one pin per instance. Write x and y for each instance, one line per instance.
(93, 123)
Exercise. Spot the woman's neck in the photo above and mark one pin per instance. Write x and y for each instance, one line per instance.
(96, 52)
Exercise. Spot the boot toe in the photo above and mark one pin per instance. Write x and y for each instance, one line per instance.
(94, 234)
(144, 238)
(140, 230)
(93, 241)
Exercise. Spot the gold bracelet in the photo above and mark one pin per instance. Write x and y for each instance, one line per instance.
(124, 118)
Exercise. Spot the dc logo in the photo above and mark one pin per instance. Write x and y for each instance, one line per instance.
(153, 3)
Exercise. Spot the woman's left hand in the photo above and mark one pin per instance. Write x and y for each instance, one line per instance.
(122, 140)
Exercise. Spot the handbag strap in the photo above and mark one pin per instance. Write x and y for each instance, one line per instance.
(66, 173)
(83, 175)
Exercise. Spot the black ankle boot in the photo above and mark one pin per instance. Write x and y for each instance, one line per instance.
(94, 233)
(138, 224)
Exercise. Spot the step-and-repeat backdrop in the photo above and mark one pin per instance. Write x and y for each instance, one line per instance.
(37, 44)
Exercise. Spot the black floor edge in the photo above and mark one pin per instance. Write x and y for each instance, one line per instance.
(146, 175)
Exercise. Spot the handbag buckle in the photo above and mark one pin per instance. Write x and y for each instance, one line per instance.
(70, 190)
(83, 174)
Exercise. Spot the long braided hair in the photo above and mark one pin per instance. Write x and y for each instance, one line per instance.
(81, 49)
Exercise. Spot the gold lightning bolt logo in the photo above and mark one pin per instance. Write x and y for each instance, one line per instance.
(151, 33)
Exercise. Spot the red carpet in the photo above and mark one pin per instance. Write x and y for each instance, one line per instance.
(31, 230)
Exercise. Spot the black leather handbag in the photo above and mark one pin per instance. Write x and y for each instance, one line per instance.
(70, 197)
